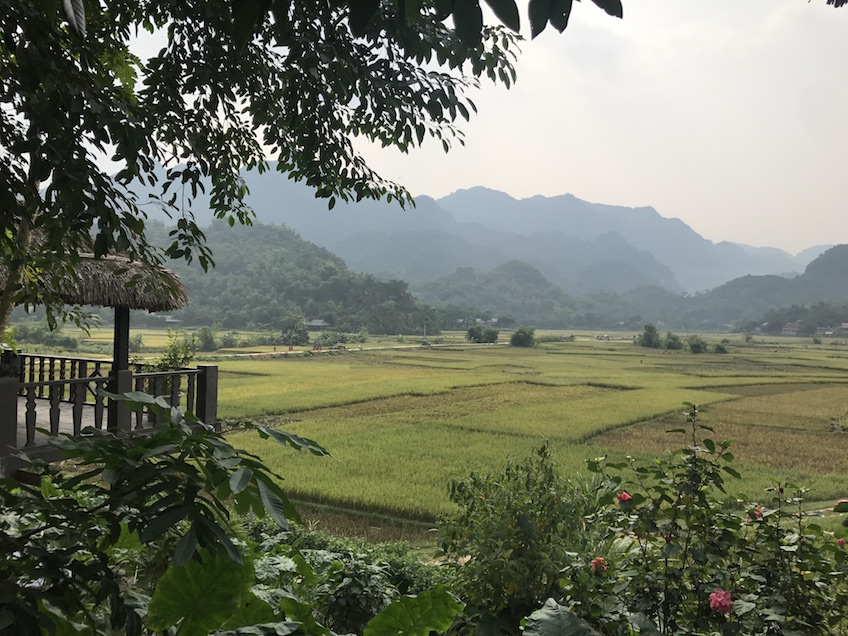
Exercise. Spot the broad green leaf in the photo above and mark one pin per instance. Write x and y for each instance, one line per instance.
(416, 615)
(251, 610)
(273, 504)
(240, 479)
(841, 506)
(200, 595)
(468, 21)
(163, 522)
(539, 11)
(301, 611)
(185, 547)
(507, 12)
(558, 14)
(554, 620)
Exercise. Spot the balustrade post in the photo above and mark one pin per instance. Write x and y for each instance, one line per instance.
(119, 416)
(9, 387)
(207, 395)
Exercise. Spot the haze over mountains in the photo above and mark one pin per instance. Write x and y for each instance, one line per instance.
(572, 260)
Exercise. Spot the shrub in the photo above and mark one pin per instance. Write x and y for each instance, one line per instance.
(523, 337)
(720, 348)
(673, 341)
(649, 338)
(474, 334)
(136, 343)
(490, 335)
(697, 344)
(206, 340)
(513, 531)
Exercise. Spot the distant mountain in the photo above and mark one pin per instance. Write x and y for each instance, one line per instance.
(582, 247)
(697, 263)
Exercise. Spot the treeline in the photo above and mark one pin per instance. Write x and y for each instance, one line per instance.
(822, 314)
(264, 275)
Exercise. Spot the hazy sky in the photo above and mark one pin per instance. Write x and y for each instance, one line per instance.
(729, 114)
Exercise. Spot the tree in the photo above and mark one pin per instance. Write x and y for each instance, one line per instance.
(236, 80)
(490, 335)
(649, 338)
(474, 334)
(206, 339)
(523, 337)
(295, 331)
(673, 341)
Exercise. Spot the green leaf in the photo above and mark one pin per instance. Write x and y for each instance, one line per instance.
(295, 441)
(558, 14)
(841, 506)
(186, 547)
(273, 504)
(200, 595)
(468, 21)
(507, 12)
(416, 615)
(732, 472)
(539, 11)
(163, 522)
(251, 610)
(240, 479)
(612, 7)
(301, 611)
(710, 445)
(554, 620)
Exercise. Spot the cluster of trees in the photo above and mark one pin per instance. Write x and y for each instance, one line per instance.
(810, 318)
(652, 339)
(268, 277)
(482, 334)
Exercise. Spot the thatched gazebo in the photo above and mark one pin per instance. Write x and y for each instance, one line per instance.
(117, 282)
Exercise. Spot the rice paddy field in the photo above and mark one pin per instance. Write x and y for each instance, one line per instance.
(400, 422)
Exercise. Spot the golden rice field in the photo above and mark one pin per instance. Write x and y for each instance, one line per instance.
(401, 422)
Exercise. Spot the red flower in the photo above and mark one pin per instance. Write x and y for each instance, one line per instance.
(623, 497)
(756, 513)
(599, 563)
(840, 543)
(720, 601)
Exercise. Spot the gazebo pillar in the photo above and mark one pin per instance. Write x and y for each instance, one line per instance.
(118, 417)
(121, 340)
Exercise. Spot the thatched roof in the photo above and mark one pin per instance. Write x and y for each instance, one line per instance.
(115, 281)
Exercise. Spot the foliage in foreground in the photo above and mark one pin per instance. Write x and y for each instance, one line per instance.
(653, 549)
(138, 538)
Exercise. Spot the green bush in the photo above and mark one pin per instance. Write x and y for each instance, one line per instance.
(673, 341)
(513, 531)
(523, 337)
(649, 338)
(697, 344)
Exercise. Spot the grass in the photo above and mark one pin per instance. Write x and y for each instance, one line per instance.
(402, 422)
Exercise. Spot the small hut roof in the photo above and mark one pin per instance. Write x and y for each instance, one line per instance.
(116, 281)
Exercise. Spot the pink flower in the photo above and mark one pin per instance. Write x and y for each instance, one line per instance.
(624, 497)
(599, 563)
(720, 601)
(755, 514)
(840, 543)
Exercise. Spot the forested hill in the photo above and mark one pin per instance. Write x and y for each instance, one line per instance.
(265, 273)
(514, 288)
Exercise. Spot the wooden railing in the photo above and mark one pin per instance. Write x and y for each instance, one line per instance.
(54, 395)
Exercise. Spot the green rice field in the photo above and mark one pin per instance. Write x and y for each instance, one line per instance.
(400, 422)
